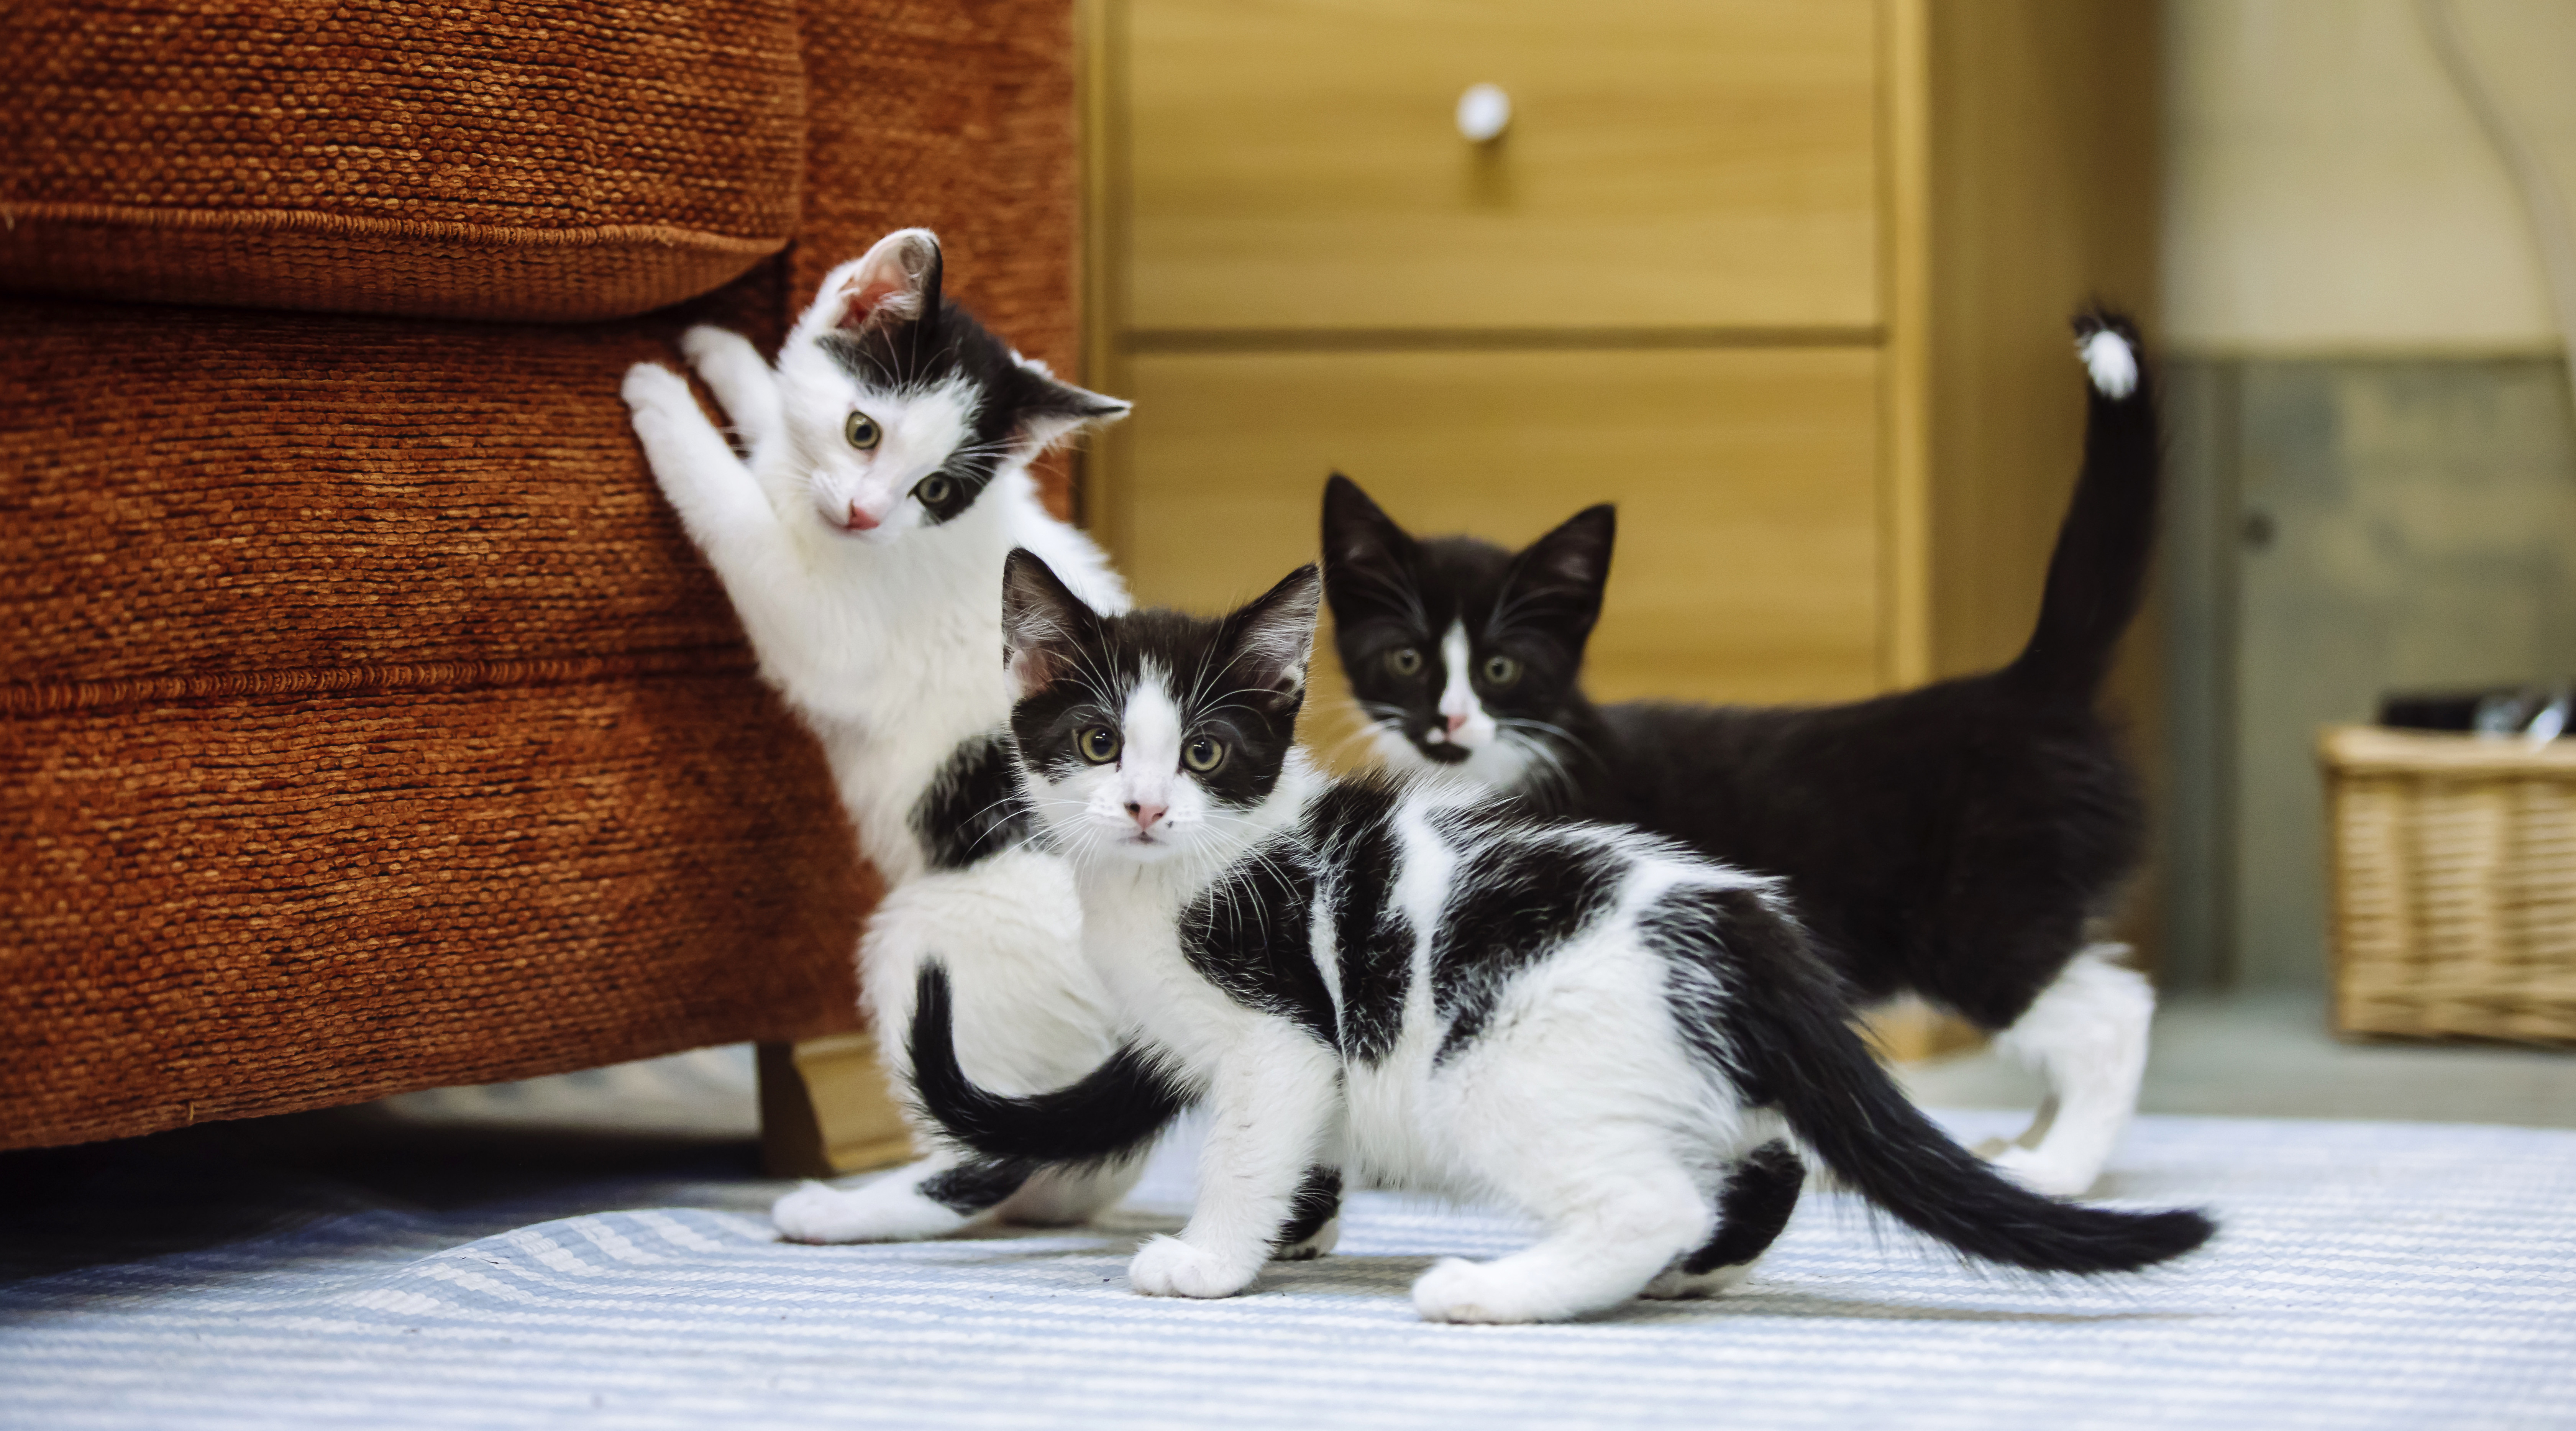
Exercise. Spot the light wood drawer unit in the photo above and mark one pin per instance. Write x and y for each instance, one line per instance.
(1748, 566)
(1786, 279)
(1670, 164)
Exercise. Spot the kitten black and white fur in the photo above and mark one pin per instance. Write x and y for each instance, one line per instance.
(1953, 841)
(1418, 986)
(861, 539)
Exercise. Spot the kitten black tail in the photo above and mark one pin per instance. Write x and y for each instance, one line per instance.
(1792, 1040)
(2098, 572)
(1112, 1111)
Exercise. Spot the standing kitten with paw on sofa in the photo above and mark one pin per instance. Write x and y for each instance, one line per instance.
(861, 540)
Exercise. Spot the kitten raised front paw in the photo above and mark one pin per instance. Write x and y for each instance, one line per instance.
(652, 388)
(1169, 1267)
(707, 344)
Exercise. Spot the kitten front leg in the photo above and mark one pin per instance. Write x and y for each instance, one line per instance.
(1270, 1105)
(719, 502)
(743, 384)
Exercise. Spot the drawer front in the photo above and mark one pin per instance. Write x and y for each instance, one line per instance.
(1749, 541)
(1296, 164)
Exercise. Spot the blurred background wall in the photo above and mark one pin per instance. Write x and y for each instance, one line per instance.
(2374, 463)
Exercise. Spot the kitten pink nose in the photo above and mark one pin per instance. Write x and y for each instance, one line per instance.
(1145, 815)
(1457, 723)
(860, 520)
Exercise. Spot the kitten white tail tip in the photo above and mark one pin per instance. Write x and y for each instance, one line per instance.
(2110, 362)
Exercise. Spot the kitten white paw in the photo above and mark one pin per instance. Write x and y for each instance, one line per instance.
(1325, 1239)
(1673, 1284)
(650, 387)
(1456, 1290)
(707, 343)
(1169, 1267)
(2042, 1174)
(887, 1210)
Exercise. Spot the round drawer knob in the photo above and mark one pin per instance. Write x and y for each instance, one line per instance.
(1484, 112)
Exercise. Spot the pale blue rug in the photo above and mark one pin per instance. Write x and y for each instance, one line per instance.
(2398, 1275)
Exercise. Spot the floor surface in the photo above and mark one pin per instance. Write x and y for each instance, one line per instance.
(2269, 1055)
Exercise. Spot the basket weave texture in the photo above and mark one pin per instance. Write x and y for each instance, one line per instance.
(367, 723)
(496, 159)
(2454, 884)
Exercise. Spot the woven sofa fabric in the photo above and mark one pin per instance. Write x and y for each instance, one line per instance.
(543, 160)
(231, 906)
(238, 492)
(250, 558)
(994, 159)
(990, 165)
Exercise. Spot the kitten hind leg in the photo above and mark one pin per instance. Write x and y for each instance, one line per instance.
(1760, 1195)
(1314, 1218)
(931, 1198)
(1609, 1235)
(2087, 1035)
(1070, 1196)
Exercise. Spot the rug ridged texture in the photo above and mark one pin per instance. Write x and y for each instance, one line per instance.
(414, 574)
(501, 159)
(2370, 1275)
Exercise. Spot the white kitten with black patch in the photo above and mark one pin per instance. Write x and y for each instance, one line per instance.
(861, 541)
(1415, 987)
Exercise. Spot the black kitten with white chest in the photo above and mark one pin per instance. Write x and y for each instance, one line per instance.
(1953, 841)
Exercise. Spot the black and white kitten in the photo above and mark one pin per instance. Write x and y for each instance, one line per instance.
(860, 539)
(1953, 841)
(1425, 987)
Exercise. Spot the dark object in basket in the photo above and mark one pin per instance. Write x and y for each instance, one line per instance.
(2539, 711)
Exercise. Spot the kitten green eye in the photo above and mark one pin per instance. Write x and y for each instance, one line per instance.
(1098, 744)
(863, 432)
(1203, 754)
(1501, 671)
(933, 490)
(1404, 661)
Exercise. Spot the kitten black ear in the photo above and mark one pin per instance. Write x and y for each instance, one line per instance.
(897, 281)
(1364, 550)
(1043, 623)
(1052, 409)
(1272, 637)
(1559, 578)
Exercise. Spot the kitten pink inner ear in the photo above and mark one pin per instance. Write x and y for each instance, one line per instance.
(867, 295)
(1041, 619)
(1032, 669)
(889, 285)
(1278, 631)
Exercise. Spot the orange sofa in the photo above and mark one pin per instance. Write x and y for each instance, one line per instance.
(366, 722)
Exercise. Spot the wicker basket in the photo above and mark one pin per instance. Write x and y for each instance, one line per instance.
(2454, 868)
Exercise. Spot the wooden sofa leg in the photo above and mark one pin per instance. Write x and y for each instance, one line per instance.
(825, 1109)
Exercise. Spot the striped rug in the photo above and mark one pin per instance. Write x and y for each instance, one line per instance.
(2399, 1275)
